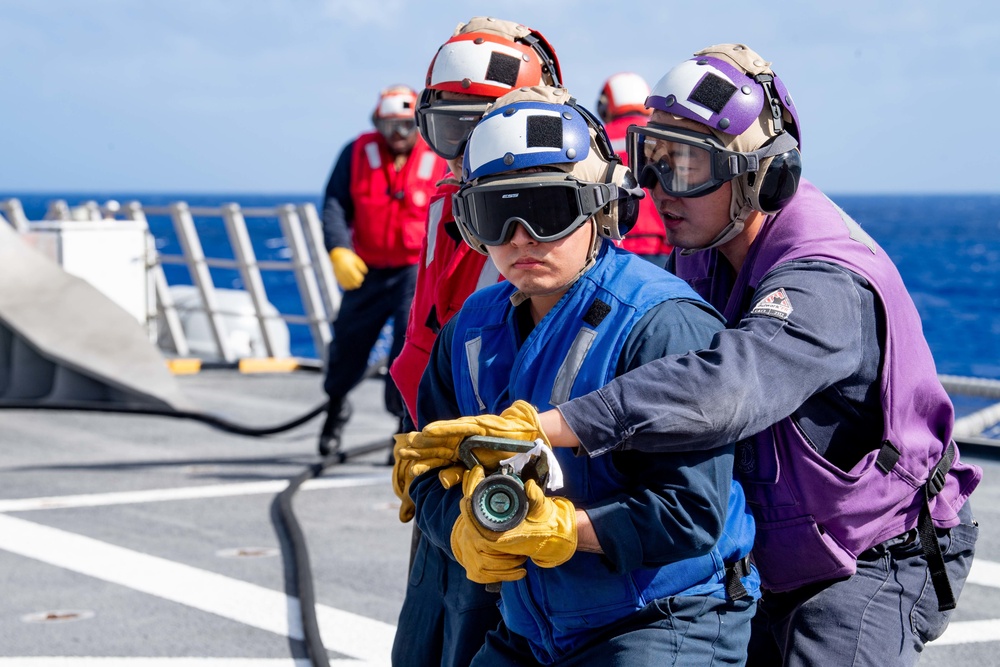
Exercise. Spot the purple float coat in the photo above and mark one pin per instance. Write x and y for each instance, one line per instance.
(813, 518)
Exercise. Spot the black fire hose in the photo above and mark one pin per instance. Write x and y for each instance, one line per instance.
(297, 556)
(214, 421)
(301, 569)
(290, 532)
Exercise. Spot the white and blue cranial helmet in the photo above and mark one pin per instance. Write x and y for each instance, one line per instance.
(533, 132)
(573, 174)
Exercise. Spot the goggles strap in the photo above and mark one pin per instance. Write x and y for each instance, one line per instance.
(608, 193)
(782, 143)
(766, 82)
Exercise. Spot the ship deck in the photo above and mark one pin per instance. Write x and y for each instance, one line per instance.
(150, 541)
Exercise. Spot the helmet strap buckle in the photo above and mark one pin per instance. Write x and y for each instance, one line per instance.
(766, 82)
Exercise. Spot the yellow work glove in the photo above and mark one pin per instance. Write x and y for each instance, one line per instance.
(548, 533)
(401, 478)
(402, 474)
(482, 562)
(441, 439)
(452, 476)
(348, 268)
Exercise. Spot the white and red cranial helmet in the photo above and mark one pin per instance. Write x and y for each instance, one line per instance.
(623, 93)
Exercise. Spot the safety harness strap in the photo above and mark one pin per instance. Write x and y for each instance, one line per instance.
(928, 536)
(734, 587)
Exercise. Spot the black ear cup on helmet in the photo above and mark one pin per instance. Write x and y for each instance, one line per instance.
(619, 216)
(770, 192)
(628, 208)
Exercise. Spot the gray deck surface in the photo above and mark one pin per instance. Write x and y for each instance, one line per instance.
(118, 535)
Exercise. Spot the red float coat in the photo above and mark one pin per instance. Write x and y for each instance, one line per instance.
(647, 237)
(390, 207)
(448, 272)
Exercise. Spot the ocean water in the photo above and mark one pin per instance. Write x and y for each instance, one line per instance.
(947, 248)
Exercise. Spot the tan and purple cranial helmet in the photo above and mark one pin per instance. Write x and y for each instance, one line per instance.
(733, 91)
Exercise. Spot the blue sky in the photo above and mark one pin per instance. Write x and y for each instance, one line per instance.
(261, 95)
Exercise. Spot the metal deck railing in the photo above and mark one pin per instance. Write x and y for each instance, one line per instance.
(317, 287)
(302, 233)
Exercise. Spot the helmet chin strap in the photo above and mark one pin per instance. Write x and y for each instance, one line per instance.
(740, 208)
(740, 211)
(519, 297)
(731, 231)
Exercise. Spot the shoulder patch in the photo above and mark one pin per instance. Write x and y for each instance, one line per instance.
(775, 304)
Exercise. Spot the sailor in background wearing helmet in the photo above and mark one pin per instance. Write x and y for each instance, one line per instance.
(374, 217)
(639, 558)
(484, 59)
(620, 104)
(822, 376)
(445, 616)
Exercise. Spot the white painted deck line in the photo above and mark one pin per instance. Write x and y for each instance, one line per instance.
(984, 572)
(969, 632)
(185, 493)
(363, 638)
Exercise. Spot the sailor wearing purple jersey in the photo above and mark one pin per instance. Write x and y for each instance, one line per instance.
(822, 376)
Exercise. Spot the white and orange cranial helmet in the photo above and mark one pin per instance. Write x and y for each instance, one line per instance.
(395, 112)
(623, 93)
(485, 58)
(491, 57)
(396, 102)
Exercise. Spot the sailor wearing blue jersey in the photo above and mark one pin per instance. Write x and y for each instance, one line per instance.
(639, 558)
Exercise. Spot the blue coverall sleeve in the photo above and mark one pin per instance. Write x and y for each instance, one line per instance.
(749, 377)
(675, 504)
(437, 509)
(338, 207)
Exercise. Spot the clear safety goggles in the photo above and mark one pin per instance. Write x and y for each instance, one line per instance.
(547, 209)
(685, 163)
(446, 126)
(403, 127)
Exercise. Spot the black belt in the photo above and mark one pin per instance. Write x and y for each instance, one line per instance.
(901, 540)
